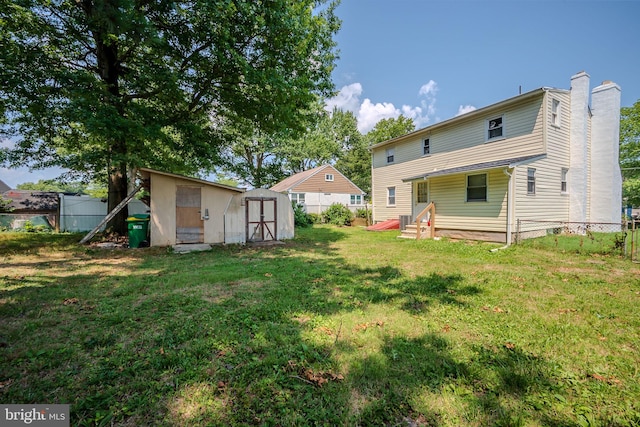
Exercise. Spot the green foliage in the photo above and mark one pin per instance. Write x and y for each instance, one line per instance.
(300, 217)
(363, 213)
(630, 153)
(337, 214)
(315, 218)
(4, 204)
(102, 89)
(390, 128)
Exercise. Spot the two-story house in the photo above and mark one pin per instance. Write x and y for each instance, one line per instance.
(547, 155)
(318, 188)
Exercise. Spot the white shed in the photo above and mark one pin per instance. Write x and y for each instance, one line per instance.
(189, 210)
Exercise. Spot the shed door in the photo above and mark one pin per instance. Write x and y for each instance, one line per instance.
(261, 213)
(189, 223)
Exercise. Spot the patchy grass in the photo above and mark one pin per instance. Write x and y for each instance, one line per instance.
(338, 327)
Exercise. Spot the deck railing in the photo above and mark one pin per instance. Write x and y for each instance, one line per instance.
(431, 210)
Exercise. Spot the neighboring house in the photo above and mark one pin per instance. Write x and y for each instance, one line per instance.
(545, 155)
(37, 207)
(3, 187)
(318, 188)
(188, 210)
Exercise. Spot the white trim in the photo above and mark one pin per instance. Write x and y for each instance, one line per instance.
(503, 134)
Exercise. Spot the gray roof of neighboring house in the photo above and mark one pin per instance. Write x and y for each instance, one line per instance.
(32, 201)
(3, 187)
(512, 162)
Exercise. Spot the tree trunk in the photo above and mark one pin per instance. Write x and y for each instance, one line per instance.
(117, 193)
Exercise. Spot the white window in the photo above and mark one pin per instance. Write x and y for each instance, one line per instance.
(297, 197)
(423, 192)
(555, 112)
(495, 128)
(328, 177)
(390, 157)
(356, 199)
(477, 188)
(531, 181)
(426, 146)
(563, 180)
(391, 196)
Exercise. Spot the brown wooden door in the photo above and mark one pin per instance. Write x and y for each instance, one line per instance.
(189, 223)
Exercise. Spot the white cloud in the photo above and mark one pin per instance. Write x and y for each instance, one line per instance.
(464, 109)
(369, 113)
(348, 99)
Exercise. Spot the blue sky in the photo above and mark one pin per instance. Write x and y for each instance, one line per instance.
(431, 60)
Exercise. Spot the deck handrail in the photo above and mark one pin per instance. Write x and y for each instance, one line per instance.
(431, 207)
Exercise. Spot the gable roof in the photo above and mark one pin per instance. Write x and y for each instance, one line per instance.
(198, 180)
(3, 187)
(295, 180)
(512, 162)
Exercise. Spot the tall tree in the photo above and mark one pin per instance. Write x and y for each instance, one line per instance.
(105, 86)
(630, 153)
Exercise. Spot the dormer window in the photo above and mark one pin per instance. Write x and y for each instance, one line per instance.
(328, 177)
(495, 128)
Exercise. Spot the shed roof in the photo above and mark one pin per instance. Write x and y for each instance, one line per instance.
(198, 180)
(511, 162)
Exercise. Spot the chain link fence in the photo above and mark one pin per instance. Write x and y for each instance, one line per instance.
(582, 237)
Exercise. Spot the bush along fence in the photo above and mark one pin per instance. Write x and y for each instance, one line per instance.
(581, 237)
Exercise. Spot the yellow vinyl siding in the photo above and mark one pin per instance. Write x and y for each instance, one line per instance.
(548, 203)
(458, 144)
(449, 193)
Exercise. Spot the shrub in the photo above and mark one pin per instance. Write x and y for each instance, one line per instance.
(315, 218)
(363, 213)
(337, 214)
(300, 217)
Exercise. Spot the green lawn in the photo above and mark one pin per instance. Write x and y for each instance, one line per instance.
(338, 327)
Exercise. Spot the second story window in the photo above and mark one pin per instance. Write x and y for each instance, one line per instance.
(495, 128)
(328, 177)
(555, 112)
(531, 181)
(390, 155)
(426, 146)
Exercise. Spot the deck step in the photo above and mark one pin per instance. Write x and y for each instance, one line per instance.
(411, 231)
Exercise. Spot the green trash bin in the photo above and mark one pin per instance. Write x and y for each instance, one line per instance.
(138, 227)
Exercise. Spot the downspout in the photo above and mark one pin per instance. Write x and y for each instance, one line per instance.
(509, 209)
